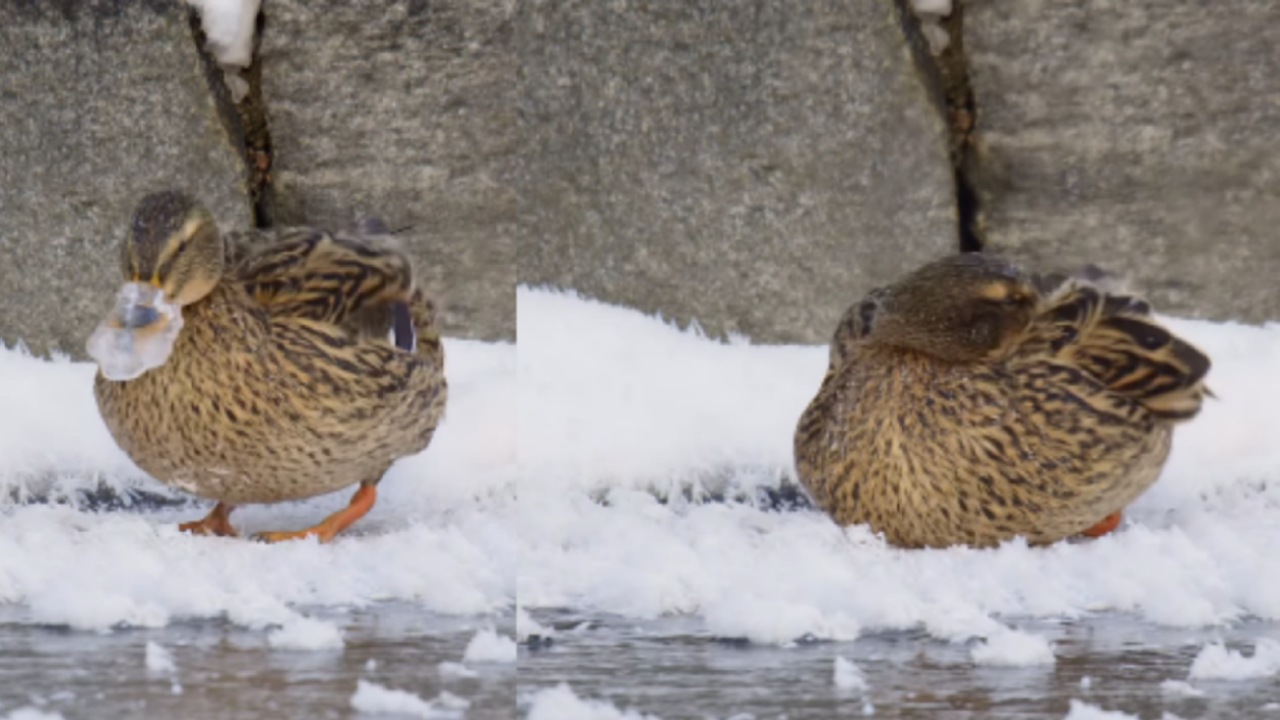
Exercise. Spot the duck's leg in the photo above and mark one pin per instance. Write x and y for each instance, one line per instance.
(1105, 525)
(329, 528)
(217, 522)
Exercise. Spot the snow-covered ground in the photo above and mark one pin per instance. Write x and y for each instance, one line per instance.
(442, 535)
(571, 473)
(618, 410)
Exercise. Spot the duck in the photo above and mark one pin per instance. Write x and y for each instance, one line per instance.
(266, 366)
(970, 403)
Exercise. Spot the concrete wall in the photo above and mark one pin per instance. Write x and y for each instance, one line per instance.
(751, 167)
(398, 109)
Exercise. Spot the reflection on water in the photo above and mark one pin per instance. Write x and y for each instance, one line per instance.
(673, 669)
(224, 671)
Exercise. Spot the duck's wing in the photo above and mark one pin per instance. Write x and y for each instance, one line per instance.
(323, 276)
(1114, 339)
(359, 284)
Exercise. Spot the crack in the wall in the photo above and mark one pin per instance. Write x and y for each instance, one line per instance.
(245, 118)
(961, 114)
(947, 73)
(253, 112)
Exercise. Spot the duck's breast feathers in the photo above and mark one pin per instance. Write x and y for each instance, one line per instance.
(1116, 340)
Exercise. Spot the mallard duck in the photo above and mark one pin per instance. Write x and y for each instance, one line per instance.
(305, 361)
(971, 403)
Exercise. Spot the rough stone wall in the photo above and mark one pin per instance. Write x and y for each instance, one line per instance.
(1140, 136)
(405, 110)
(100, 102)
(399, 108)
(751, 166)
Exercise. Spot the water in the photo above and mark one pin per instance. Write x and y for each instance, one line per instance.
(226, 671)
(673, 669)
(670, 667)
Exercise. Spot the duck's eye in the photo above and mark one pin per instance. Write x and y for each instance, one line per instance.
(1022, 299)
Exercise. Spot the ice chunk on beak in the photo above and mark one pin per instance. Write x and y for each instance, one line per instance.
(137, 335)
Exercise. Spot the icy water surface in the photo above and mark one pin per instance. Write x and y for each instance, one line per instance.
(674, 670)
(223, 671)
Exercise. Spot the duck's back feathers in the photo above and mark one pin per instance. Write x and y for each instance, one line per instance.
(1115, 340)
(320, 276)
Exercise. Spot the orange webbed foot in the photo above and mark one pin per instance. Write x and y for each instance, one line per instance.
(217, 522)
(327, 529)
(1104, 526)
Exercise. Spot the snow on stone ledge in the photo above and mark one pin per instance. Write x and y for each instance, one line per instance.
(229, 26)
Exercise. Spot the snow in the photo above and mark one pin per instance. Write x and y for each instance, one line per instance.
(1217, 662)
(1081, 710)
(932, 7)
(229, 27)
(560, 703)
(626, 422)
(375, 699)
(1013, 647)
(930, 13)
(848, 676)
(455, 670)
(304, 633)
(30, 713)
(490, 647)
(1180, 688)
(159, 660)
(443, 534)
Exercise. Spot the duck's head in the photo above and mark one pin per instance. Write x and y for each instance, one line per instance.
(962, 308)
(173, 245)
(172, 256)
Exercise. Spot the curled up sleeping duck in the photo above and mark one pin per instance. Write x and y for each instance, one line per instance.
(970, 403)
(265, 366)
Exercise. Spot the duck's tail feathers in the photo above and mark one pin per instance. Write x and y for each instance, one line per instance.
(426, 328)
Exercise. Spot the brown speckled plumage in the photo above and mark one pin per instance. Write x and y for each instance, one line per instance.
(970, 403)
(282, 383)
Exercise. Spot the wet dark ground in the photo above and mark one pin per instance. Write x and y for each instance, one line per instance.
(229, 672)
(672, 669)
